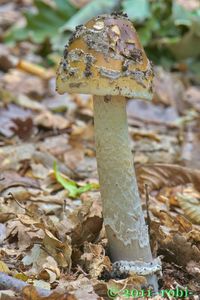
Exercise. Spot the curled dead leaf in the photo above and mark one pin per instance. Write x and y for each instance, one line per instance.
(61, 251)
(190, 206)
(157, 176)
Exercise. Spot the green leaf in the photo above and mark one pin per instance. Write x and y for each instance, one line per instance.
(137, 10)
(44, 23)
(71, 185)
(65, 8)
(92, 9)
(145, 33)
(180, 15)
(15, 33)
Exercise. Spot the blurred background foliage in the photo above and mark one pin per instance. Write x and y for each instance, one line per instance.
(168, 29)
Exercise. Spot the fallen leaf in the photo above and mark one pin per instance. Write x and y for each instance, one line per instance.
(60, 251)
(94, 259)
(190, 206)
(157, 176)
(191, 97)
(18, 82)
(168, 90)
(7, 60)
(15, 120)
(13, 179)
(48, 120)
(71, 186)
(149, 113)
(3, 267)
(81, 288)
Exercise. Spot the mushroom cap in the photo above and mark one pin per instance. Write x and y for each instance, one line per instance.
(105, 57)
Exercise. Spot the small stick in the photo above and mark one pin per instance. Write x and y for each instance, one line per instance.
(10, 283)
(22, 206)
(147, 205)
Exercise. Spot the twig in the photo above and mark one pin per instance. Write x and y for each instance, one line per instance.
(9, 283)
(22, 206)
(147, 206)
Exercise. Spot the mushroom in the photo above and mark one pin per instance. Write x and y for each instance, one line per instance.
(105, 58)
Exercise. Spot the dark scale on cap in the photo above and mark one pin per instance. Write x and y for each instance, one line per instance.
(120, 14)
(65, 53)
(136, 55)
(64, 65)
(125, 65)
(148, 73)
(89, 60)
(71, 72)
(75, 34)
(79, 26)
(150, 90)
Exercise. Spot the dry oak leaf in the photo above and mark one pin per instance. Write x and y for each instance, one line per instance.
(15, 120)
(87, 222)
(19, 82)
(30, 293)
(50, 120)
(190, 206)
(60, 251)
(94, 259)
(81, 288)
(179, 249)
(13, 179)
(157, 176)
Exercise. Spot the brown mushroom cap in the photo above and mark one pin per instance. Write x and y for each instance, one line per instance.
(105, 57)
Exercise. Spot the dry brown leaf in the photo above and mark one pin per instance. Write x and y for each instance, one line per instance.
(194, 236)
(140, 134)
(19, 82)
(165, 150)
(141, 112)
(11, 156)
(61, 251)
(184, 224)
(82, 288)
(191, 97)
(9, 15)
(3, 267)
(7, 60)
(8, 295)
(30, 293)
(50, 120)
(178, 249)
(190, 206)
(168, 89)
(23, 234)
(15, 120)
(13, 179)
(122, 287)
(190, 147)
(87, 222)
(193, 268)
(39, 262)
(94, 259)
(157, 176)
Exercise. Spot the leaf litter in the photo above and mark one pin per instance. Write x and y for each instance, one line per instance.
(51, 227)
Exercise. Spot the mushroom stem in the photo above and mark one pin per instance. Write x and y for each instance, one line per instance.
(122, 211)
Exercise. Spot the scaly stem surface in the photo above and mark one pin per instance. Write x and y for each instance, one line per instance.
(123, 216)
